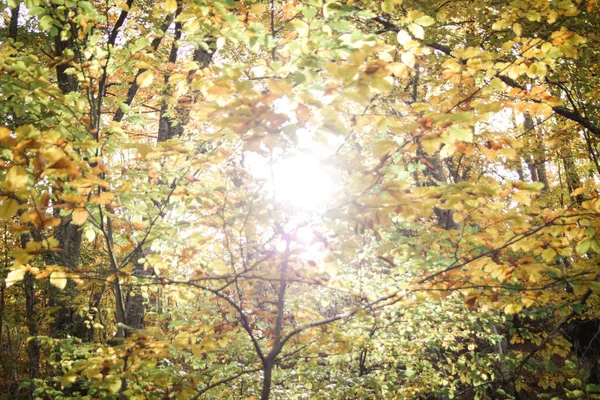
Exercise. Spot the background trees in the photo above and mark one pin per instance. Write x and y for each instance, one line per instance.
(152, 249)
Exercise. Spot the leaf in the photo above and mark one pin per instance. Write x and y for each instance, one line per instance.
(14, 276)
(79, 216)
(577, 192)
(258, 9)
(219, 267)
(16, 178)
(46, 22)
(58, 279)
(592, 388)
(114, 385)
(387, 6)
(522, 197)
(417, 30)
(145, 79)
(8, 209)
(513, 308)
(4, 134)
(425, 20)
(67, 380)
(548, 255)
(583, 246)
(461, 134)
(408, 59)
(170, 6)
(403, 37)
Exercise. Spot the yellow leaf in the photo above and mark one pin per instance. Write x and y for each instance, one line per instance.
(521, 197)
(16, 178)
(403, 37)
(223, 343)
(14, 276)
(408, 59)
(258, 9)
(4, 134)
(447, 150)
(548, 255)
(218, 266)
(79, 216)
(170, 6)
(115, 385)
(513, 308)
(417, 30)
(67, 380)
(59, 279)
(8, 209)
(122, 4)
(517, 29)
(145, 78)
(528, 302)
(577, 191)
(425, 20)
(431, 146)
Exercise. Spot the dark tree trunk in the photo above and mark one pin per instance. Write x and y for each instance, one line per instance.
(33, 346)
(134, 87)
(66, 83)
(135, 305)
(169, 127)
(14, 22)
(267, 381)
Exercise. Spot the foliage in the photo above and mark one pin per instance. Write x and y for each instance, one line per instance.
(153, 247)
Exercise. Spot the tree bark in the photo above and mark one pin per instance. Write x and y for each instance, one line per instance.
(267, 381)
(33, 346)
(14, 22)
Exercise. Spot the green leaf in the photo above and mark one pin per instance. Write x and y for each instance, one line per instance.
(425, 20)
(309, 12)
(460, 134)
(46, 22)
(387, 6)
(592, 388)
(583, 246)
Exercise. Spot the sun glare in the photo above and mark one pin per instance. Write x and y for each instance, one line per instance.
(303, 181)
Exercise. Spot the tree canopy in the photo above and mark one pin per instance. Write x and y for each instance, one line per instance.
(206, 199)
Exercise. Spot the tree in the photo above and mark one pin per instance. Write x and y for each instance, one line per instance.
(158, 253)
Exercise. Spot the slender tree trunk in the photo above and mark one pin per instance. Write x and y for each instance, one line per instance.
(267, 381)
(14, 22)
(169, 127)
(33, 346)
(134, 87)
(571, 175)
(536, 160)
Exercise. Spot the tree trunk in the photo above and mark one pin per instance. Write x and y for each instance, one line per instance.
(267, 381)
(135, 308)
(33, 346)
(169, 127)
(14, 22)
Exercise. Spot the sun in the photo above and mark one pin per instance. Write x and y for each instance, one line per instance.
(302, 181)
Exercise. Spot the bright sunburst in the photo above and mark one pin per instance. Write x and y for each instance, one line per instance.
(302, 181)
